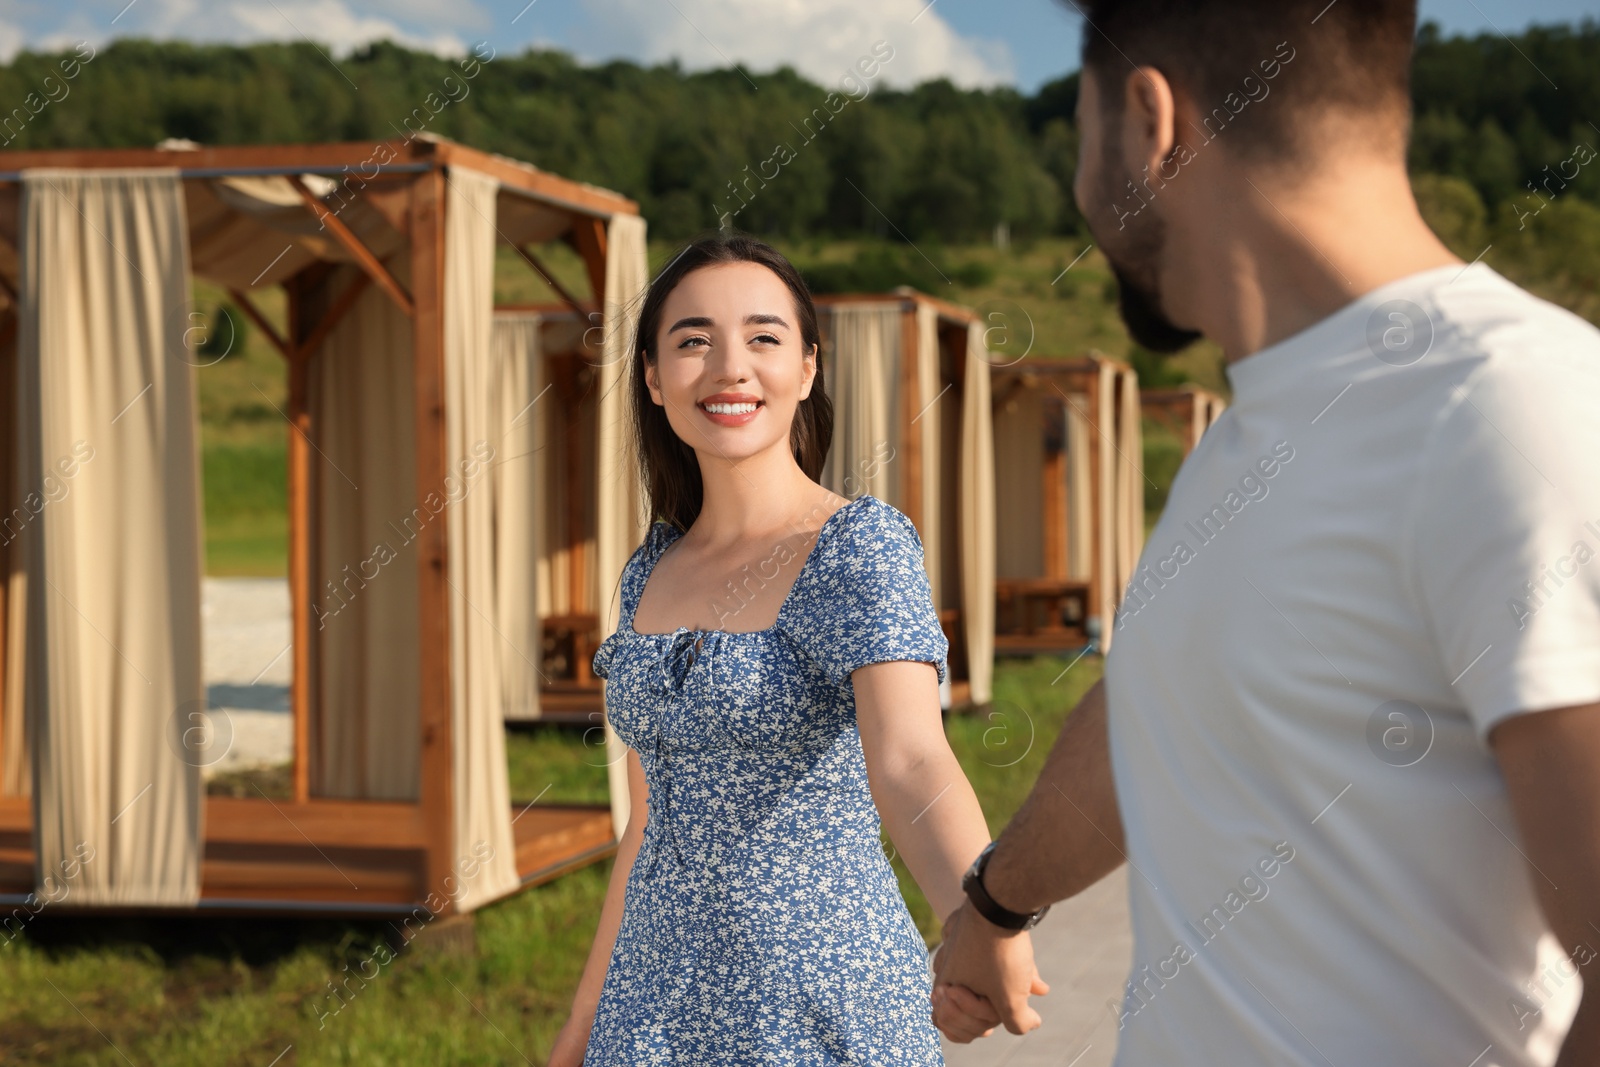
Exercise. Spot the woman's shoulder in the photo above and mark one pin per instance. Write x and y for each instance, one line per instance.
(865, 542)
(874, 525)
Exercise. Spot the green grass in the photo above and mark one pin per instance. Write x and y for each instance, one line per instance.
(182, 991)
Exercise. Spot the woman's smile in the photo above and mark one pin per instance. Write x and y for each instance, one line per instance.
(730, 409)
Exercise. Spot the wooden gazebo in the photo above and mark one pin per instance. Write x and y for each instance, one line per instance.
(909, 376)
(408, 518)
(1070, 472)
(1186, 411)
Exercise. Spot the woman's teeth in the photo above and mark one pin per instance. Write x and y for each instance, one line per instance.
(730, 409)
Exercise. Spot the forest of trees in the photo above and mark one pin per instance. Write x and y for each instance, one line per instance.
(1493, 132)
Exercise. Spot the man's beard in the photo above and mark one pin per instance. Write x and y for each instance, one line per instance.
(1138, 293)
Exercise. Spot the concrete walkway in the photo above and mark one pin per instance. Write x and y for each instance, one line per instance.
(1083, 949)
(248, 663)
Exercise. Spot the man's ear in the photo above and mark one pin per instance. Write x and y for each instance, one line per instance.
(808, 371)
(650, 381)
(1149, 120)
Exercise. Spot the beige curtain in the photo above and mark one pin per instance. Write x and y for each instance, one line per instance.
(16, 769)
(474, 440)
(1106, 511)
(620, 518)
(1080, 491)
(519, 481)
(1130, 478)
(1018, 474)
(365, 724)
(1207, 409)
(862, 382)
(114, 562)
(978, 517)
(927, 416)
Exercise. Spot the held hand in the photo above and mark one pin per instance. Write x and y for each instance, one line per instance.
(570, 1043)
(996, 968)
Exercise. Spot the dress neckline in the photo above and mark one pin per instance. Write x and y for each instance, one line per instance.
(673, 533)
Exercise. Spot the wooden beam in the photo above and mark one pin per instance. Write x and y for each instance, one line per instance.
(579, 197)
(436, 789)
(300, 585)
(330, 318)
(588, 236)
(550, 280)
(352, 244)
(255, 315)
(327, 822)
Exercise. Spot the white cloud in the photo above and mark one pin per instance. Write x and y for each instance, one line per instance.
(12, 40)
(337, 24)
(822, 39)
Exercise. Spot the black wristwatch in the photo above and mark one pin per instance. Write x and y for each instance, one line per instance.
(1005, 918)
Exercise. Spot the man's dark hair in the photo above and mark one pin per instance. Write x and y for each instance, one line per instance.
(1348, 56)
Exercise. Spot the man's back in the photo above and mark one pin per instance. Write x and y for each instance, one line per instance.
(1330, 616)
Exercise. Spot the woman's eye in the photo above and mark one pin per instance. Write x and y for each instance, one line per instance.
(688, 342)
(765, 338)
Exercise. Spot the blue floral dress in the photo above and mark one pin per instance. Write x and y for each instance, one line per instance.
(762, 921)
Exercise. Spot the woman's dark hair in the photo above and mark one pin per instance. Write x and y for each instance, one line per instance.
(670, 472)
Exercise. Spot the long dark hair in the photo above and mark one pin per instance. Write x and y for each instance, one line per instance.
(670, 472)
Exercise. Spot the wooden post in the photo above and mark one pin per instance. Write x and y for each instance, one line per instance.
(588, 237)
(300, 590)
(436, 792)
(910, 401)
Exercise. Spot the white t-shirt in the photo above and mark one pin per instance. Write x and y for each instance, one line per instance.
(1332, 613)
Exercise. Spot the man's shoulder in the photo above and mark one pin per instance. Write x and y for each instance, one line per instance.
(1486, 319)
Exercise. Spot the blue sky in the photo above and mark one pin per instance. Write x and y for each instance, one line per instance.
(974, 42)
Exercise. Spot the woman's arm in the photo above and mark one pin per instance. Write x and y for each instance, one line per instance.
(923, 796)
(574, 1035)
(928, 806)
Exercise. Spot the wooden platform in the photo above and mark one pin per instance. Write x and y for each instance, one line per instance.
(330, 857)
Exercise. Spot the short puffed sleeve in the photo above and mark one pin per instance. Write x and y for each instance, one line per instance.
(866, 598)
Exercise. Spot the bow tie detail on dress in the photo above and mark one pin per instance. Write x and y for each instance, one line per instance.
(682, 649)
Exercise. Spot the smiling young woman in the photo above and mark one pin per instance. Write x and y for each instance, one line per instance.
(775, 675)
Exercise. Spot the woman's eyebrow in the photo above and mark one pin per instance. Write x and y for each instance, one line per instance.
(765, 320)
(692, 322)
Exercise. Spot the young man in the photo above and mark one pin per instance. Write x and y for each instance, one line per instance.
(1348, 740)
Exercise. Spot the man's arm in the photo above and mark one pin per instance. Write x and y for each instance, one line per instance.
(1068, 833)
(1066, 837)
(1551, 764)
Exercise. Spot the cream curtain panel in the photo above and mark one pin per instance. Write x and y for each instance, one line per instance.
(1018, 474)
(113, 564)
(1130, 478)
(860, 376)
(927, 419)
(16, 768)
(365, 724)
(619, 513)
(480, 653)
(1080, 490)
(1107, 514)
(519, 517)
(977, 517)
(1207, 409)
